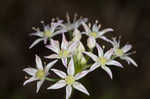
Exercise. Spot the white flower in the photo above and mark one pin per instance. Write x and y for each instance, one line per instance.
(38, 74)
(102, 60)
(95, 33)
(48, 32)
(72, 25)
(69, 80)
(67, 49)
(123, 53)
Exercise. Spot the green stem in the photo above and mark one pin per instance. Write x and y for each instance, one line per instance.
(113, 57)
(51, 79)
(70, 34)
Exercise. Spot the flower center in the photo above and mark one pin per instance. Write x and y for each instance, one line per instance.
(63, 53)
(40, 74)
(47, 33)
(70, 79)
(102, 60)
(119, 52)
(94, 34)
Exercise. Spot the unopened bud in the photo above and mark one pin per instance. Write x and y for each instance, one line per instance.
(91, 43)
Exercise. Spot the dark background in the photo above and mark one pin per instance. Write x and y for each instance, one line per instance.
(129, 18)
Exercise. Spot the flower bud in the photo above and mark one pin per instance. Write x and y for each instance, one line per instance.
(91, 43)
(76, 35)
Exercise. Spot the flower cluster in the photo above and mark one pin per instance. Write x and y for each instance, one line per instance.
(74, 54)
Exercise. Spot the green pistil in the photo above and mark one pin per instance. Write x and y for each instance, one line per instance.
(119, 52)
(40, 74)
(94, 34)
(47, 33)
(70, 79)
(102, 61)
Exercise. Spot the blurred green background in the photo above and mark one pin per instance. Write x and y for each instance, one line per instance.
(129, 18)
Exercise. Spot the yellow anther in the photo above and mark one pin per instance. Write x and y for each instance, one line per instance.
(70, 79)
(40, 74)
(47, 33)
(102, 61)
(119, 52)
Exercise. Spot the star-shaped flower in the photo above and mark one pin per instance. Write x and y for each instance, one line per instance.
(66, 50)
(48, 32)
(103, 60)
(94, 33)
(70, 80)
(123, 53)
(38, 74)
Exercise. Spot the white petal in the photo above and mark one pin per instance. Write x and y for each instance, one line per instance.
(30, 71)
(105, 39)
(64, 61)
(59, 73)
(73, 46)
(35, 42)
(38, 33)
(64, 43)
(57, 85)
(80, 87)
(115, 63)
(100, 50)
(53, 48)
(94, 57)
(49, 65)
(94, 66)
(68, 91)
(107, 70)
(38, 62)
(129, 60)
(45, 40)
(55, 45)
(95, 28)
(105, 31)
(108, 54)
(126, 48)
(58, 32)
(53, 26)
(39, 84)
(81, 47)
(70, 69)
(81, 74)
(52, 56)
(30, 80)
(87, 29)
(115, 43)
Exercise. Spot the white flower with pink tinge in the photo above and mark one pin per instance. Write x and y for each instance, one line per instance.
(70, 80)
(123, 53)
(38, 74)
(94, 33)
(48, 32)
(66, 50)
(103, 60)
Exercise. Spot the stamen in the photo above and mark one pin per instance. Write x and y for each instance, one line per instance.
(70, 79)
